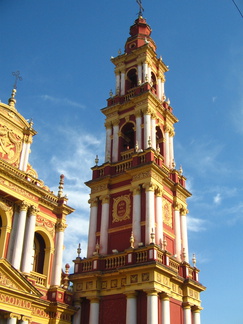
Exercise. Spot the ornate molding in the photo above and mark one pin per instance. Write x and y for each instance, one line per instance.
(121, 208)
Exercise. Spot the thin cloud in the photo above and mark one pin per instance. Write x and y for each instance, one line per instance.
(195, 224)
(62, 101)
(217, 199)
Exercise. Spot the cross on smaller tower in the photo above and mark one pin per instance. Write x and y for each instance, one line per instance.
(141, 10)
(17, 77)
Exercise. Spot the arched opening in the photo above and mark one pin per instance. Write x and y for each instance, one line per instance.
(39, 253)
(159, 141)
(127, 137)
(132, 79)
(154, 83)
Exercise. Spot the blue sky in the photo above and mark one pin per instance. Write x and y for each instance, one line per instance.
(63, 48)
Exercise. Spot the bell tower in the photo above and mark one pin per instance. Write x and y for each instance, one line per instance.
(137, 268)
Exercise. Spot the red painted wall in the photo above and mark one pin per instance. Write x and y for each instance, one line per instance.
(113, 309)
(142, 307)
(176, 312)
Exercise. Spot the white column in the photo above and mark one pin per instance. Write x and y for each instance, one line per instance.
(27, 260)
(149, 212)
(77, 315)
(196, 318)
(187, 314)
(184, 235)
(136, 226)
(145, 72)
(26, 159)
(118, 82)
(159, 88)
(94, 311)
(147, 129)
(24, 320)
(177, 232)
(22, 157)
(140, 77)
(13, 235)
(19, 238)
(152, 307)
(162, 90)
(122, 83)
(92, 226)
(153, 132)
(131, 311)
(167, 148)
(171, 145)
(165, 309)
(149, 74)
(138, 130)
(115, 142)
(12, 318)
(159, 217)
(57, 264)
(104, 225)
(108, 142)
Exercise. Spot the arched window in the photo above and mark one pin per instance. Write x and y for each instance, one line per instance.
(132, 79)
(159, 140)
(38, 253)
(127, 137)
(154, 83)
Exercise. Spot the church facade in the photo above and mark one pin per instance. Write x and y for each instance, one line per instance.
(137, 268)
(33, 288)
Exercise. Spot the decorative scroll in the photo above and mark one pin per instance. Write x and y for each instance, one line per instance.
(10, 145)
(121, 208)
(167, 213)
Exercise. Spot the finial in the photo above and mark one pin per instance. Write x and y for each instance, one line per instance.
(149, 142)
(183, 255)
(96, 160)
(65, 279)
(173, 164)
(168, 101)
(12, 100)
(61, 184)
(132, 240)
(158, 148)
(164, 245)
(136, 147)
(111, 93)
(31, 123)
(119, 51)
(180, 170)
(79, 251)
(141, 10)
(152, 235)
(194, 260)
(97, 247)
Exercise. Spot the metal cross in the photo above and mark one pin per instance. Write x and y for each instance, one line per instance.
(141, 10)
(17, 77)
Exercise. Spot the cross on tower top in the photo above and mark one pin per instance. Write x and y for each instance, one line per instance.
(17, 77)
(141, 10)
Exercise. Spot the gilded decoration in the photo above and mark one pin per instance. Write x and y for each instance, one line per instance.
(134, 278)
(121, 208)
(123, 282)
(17, 189)
(167, 213)
(41, 221)
(104, 284)
(10, 145)
(114, 283)
(6, 282)
(145, 276)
